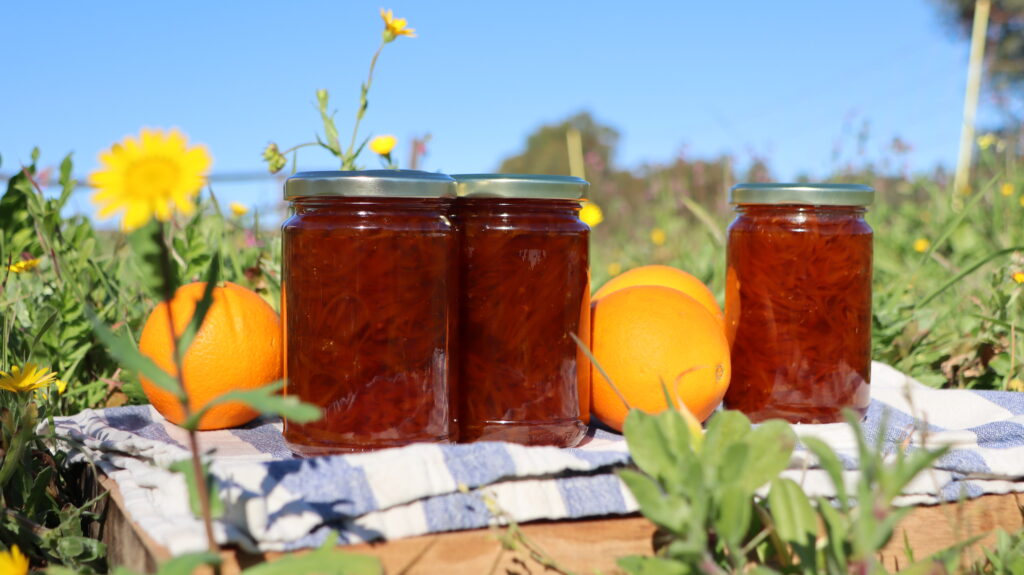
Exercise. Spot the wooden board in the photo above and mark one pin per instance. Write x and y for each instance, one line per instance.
(585, 546)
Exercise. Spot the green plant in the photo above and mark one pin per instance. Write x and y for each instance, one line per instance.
(705, 493)
(277, 159)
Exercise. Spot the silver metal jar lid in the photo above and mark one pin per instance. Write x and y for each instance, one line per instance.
(803, 194)
(525, 186)
(370, 183)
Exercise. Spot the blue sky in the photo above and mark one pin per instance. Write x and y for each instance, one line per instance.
(783, 80)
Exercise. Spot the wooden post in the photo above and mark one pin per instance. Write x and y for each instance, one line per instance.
(979, 33)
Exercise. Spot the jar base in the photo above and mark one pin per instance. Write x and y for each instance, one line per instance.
(558, 434)
(797, 414)
(321, 449)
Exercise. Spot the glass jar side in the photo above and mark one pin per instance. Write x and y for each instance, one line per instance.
(370, 314)
(525, 286)
(798, 311)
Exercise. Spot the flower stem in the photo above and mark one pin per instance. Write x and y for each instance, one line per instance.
(349, 161)
(296, 147)
(197, 465)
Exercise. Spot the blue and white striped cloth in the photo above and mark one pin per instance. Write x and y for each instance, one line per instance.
(275, 502)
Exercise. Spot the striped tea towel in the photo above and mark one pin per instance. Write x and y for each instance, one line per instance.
(275, 502)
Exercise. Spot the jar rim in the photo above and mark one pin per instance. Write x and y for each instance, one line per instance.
(821, 194)
(370, 183)
(523, 186)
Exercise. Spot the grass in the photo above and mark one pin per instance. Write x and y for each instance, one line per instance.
(947, 312)
(948, 315)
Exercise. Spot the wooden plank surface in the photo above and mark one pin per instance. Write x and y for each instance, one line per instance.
(585, 546)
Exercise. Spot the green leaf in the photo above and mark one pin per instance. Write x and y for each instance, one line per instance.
(724, 428)
(187, 468)
(837, 528)
(202, 307)
(771, 447)
(669, 512)
(735, 512)
(659, 444)
(265, 400)
(81, 549)
(147, 244)
(330, 130)
(325, 560)
(131, 358)
(829, 462)
(795, 520)
(66, 182)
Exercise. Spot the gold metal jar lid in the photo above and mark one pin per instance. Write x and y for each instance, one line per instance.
(370, 183)
(803, 194)
(524, 186)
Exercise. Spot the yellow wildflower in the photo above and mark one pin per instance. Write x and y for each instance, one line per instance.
(43, 393)
(382, 145)
(239, 209)
(1015, 385)
(921, 245)
(986, 141)
(1022, 201)
(614, 269)
(591, 214)
(149, 176)
(13, 562)
(24, 266)
(395, 27)
(1006, 189)
(658, 237)
(30, 378)
(1018, 277)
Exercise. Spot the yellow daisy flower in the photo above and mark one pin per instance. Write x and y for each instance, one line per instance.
(13, 562)
(921, 245)
(43, 393)
(591, 214)
(29, 378)
(382, 145)
(1006, 189)
(1018, 277)
(149, 177)
(658, 237)
(24, 266)
(395, 27)
(239, 209)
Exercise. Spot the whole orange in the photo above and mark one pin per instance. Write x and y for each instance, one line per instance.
(666, 276)
(238, 347)
(644, 336)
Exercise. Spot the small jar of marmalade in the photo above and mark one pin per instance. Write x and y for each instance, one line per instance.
(525, 284)
(368, 302)
(798, 301)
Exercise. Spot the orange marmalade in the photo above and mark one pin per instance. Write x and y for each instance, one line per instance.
(798, 301)
(525, 292)
(369, 280)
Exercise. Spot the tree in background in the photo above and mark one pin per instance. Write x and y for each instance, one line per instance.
(546, 151)
(1004, 50)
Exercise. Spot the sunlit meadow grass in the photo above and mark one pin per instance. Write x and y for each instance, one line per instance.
(948, 277)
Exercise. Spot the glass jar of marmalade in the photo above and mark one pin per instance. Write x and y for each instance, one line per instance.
(798, 301)
(525, 284)
(369, 286)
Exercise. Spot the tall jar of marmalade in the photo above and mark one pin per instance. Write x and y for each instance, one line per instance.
(525, 285)
(798, 301)
(369, 286)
